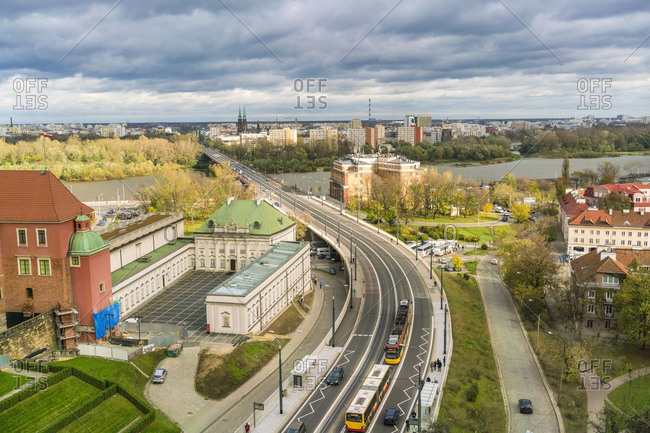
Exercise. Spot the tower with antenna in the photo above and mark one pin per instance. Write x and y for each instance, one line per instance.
(369, 109)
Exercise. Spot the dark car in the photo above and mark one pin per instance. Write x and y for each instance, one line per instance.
(336, 376)
(391, 417)
(332, 271)
(525, 405)
(504, 218)
(159, 376)
(297, 427)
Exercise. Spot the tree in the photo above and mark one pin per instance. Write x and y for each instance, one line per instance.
(529, 267)
(633, 304)
(608, 172)
(487, 207)
(614, 201)
(572, 303)
(565, 167)
(520, 212)
(457, 261)
(503, 194)
(510, 180)
(585, 178)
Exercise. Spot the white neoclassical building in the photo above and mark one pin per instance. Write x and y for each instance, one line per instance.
(250, 300)
(239, 233)
(147, 254)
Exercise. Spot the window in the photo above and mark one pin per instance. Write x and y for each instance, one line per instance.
(232, 248)
(24, 266)
(597, 232)
(591, 241)
(609, 296)
(590, 323)
(606, 241)
(575, 231)
(638, 234)
(597, 240)
(609, 310)
(575, 239)
(582, 232)
(222, 248)
(608, 324)
(638, 243)
(44, 267)
(591, 232)
(629, 234)
(75, 261)
(610, 279)
(30, 293)
(202, 261)
(629, 242)
(591, 308)
(22, 237)
(101, 288)
(41, 237)
(213, 262)
(225, 320)
(591, 294)
(607, 232)
(222, 263)
(582, 240)
(614, 233)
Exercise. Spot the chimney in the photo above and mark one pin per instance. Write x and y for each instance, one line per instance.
(229, 200)
(626, 211)
(610, 211)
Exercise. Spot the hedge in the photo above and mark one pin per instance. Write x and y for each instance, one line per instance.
(140, 424)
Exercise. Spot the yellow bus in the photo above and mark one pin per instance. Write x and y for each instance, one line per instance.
(365, 403)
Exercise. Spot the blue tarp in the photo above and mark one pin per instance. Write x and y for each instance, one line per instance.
(109, 317)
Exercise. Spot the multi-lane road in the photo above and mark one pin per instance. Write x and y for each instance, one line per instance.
(388, 276)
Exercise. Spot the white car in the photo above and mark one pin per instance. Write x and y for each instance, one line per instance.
(443, 260)
(494, 262)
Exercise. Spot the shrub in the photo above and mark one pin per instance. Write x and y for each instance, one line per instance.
(471, 393)
(484, 246)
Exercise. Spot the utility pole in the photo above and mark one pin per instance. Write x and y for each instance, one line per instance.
(355, 262)
(442, 279)
(420, 384)
(338, 232)
(444, 345)
(431, 265)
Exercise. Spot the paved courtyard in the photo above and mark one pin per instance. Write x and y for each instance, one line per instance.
(183, 304)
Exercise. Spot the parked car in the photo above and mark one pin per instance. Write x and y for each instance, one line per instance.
(297, 427)
(159, 376)
(336, 376)
(494, 261)
(332, 271)
(391, 417)
(504, 217)
(443, 260)
(525, 405)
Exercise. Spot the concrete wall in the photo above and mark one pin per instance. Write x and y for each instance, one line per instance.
(29, 336)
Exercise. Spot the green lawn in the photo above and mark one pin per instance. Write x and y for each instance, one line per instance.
(476, 252)
(11, 381)
(148, 361)
(110, 416)
(233, 369)
(472, 400)
(485, 217)
(633, 396)
(40, 410)
(470, 232)
(125, 375)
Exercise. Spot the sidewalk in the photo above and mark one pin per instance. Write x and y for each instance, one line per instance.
(597, 395)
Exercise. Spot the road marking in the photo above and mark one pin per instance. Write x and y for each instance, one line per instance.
(362, 335)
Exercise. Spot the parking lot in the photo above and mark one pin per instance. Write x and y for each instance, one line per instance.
(183, 304)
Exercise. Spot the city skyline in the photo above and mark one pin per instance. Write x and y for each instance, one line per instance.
(117, 62)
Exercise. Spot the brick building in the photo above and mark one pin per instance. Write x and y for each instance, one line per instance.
(49, 258)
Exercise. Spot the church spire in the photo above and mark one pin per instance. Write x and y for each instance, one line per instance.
(239, 117)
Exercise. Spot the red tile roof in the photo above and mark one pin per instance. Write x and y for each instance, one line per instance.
(596, 262)
(616, 219)
(34, 196)
(571, 206)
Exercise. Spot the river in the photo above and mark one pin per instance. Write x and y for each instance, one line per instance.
(318, 182)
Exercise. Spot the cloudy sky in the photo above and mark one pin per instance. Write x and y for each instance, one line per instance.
(105, 61)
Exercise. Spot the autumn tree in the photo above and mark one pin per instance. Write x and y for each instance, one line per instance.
(633, 305)
(615, 201)
(608, 172)
(457, 261)
(520, 212)
(571, 303)
(529, 267)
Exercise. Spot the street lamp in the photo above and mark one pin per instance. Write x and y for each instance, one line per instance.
(538, 319)
(444, 344)
(277, 341)
(559, 393)
(442, 279)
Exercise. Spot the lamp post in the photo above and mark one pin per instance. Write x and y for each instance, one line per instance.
(559, 393)
(333, 320)
(277, 340)
(442, 279)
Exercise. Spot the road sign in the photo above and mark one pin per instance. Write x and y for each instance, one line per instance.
(258, 406)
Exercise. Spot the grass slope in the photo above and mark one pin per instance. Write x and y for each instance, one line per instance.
(148, 362)
(632, 397)
(233, 369)
(39, 411)
(110, 416)
(472, 399)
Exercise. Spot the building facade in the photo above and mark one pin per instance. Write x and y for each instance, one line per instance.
(410, 134)
(329, 135)
(357, 136)
(248, 302)
(238, 233)
(283, 136)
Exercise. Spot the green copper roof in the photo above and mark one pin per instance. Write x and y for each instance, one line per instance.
(86, 243)
(81, 218)
(260, 219)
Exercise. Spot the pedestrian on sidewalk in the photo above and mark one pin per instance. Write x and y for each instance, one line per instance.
(444, 361)
(438, 364)
(247, 427)
(432, 364)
